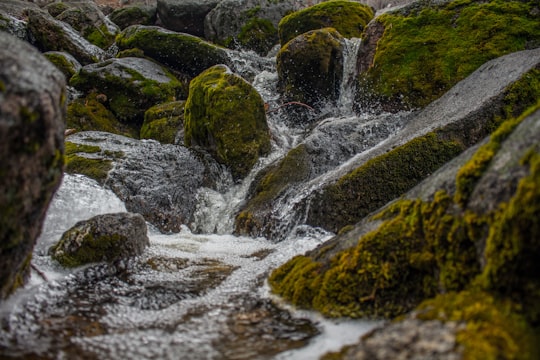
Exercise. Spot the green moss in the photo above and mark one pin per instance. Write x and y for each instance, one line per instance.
(131, 53)
(347, 17)
(258, 35)
(493, 328)
(162, 122)
(226, 116)
(380, 180)
(62, 63)
(423, 54)
(91, 114)
(96, 167)
(294, 168)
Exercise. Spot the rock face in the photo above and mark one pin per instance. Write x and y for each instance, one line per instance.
(225, 116)
(108, 237)
(185, 16)
(349, 18)
(182, 52)
(50, 34)
(32, 111)
(131, 85)
(437, 44)
(155, 180)
(310, 67)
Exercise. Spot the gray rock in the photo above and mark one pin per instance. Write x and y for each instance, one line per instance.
(186, 16)
(32, 113)
(16, 8)
(134, 15)
(158, 181)
(49, 34)
(108, 237)
(13, 26)
(64, 62)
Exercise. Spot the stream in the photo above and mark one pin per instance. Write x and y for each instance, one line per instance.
(190, 295)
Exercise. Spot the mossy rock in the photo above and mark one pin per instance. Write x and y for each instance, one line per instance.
(310, 67)
(66, 63)
(425, 51)
(347, 17)
(225, 115)
(133, 15)
(108, 237)
(182, 52)
(164, 123)
(90, 113)
(131, 86)
(88, 160)
(416, 249)
(259, 35)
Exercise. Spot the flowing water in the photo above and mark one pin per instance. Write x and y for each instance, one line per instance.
(189, 296)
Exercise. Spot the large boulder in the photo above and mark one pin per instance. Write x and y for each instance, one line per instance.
(418, 144)
(347, 17)
(86, 18)
(134, 15)
(130, 85)
(182, 52)
(49, 34)
(225, 116)
(158, 181)
(108, 237)
(414, 55)
(185, 16)
(32, 111)
(247, 24)
(310, 68)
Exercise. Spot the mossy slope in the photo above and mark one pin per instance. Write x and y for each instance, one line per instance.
(225, 116)
(427, 49)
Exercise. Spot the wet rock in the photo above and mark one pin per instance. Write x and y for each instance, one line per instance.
(165, 123)
(134, 15)
(246, 24)
(32, 112)
(225, 116)
(66, 63)
(310, 68)
(158, 181)
(349, 18)
(108, 237)
(185, 16)
(49, 34)
(86, 18)
(13, 26)
(131, 86)
(182, 52)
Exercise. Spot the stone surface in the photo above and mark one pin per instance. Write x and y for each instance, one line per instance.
(186, 16)
(32, 112)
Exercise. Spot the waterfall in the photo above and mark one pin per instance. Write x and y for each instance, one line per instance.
(350, 71)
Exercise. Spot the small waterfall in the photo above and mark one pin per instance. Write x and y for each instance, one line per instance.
(348, 83)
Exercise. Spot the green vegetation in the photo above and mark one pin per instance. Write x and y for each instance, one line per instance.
(347, 17)
(61, 61)
(258, 35)
(424, 53)
(163, 122)
(96, 167)
(225, 115)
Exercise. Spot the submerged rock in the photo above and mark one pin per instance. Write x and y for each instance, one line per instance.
(32, 112)
(108, 237)
(225, 116)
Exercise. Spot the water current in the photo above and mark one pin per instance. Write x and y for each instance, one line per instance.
(189, 296)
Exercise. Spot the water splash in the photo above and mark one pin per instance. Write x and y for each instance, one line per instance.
(350, 71)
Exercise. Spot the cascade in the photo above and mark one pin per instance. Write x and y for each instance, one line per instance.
(350, 70)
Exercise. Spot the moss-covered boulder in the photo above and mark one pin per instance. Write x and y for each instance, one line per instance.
(49, 34)
(89, 160)
(66, 63)
(348, 17)
(91, 113)
(86, 18)
(416, 248)
(164, 123)
(130, 85)
(32, 115)
(109, 237)
(419, 52)
(182, 52)
(225, 115)
(133, 15)
(247, 24)
(310, 67)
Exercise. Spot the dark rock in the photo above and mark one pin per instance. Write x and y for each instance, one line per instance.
(32, 112)
(66, 63)
(50, 34)
(186, 16)
(108, 237)
(134, 15)
(16, 8)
